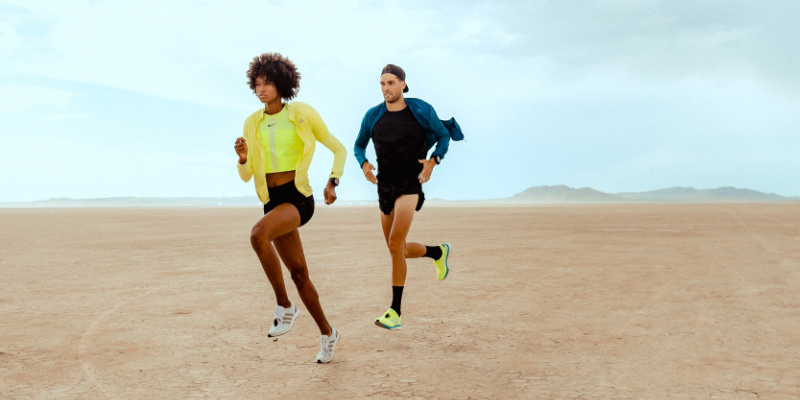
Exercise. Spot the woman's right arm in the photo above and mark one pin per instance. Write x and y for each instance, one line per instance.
(242, 166)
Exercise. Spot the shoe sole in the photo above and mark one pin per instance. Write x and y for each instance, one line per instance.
(446, 262)
(380, 324)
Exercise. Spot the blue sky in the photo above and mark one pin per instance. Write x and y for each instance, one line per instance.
(113, 98)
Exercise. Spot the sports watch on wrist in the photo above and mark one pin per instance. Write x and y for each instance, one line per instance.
(335, 182)
(438, 159)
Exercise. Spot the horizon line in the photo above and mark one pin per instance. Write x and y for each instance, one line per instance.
(253, 199)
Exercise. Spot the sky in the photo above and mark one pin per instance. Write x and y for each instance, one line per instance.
(145, 99)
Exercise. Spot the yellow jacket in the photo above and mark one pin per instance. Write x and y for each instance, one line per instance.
(310, 128)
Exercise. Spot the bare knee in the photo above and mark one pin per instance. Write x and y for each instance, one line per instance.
(397, 247)
(300, 277)
(259, 237)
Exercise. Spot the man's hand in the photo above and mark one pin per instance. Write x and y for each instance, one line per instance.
(368, 168)
(241, 149)
(427, 170)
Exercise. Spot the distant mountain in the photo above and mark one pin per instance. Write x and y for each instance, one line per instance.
(558, 194)
(566, 194)
(139, 202)
(692, 195)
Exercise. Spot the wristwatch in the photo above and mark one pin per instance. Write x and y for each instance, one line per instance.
(335, 182)
(438, 159)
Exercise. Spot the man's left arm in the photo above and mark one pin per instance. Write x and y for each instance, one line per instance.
(442, 136)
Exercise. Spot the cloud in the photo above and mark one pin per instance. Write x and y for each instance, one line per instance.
(160, 49)
(9, 38)
(15, 99)
(651, 40)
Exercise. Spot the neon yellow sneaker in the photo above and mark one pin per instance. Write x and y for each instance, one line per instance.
(442, 267)
(389, 320)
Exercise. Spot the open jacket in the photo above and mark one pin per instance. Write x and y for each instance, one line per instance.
(310, 128)
(436, 131)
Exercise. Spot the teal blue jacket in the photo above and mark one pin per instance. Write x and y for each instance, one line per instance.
(437, 131)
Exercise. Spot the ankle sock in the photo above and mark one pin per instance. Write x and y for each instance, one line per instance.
(397, 298)
(434, 252)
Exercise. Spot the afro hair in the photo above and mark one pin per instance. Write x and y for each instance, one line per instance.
(278, 70)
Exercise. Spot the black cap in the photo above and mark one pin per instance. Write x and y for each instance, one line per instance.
(396, 71)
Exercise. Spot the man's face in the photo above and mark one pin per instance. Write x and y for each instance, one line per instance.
(392, 87)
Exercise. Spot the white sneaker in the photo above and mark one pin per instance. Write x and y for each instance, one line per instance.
(284, 319)
(327, 343)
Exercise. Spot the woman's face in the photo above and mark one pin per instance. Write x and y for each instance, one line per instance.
(266, 91)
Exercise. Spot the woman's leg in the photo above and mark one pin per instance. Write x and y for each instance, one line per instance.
(278, 222)
(290, 249)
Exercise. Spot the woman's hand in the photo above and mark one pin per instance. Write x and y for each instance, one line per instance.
(427, 170)
(330, 193)
(241, 149)
(368, 168)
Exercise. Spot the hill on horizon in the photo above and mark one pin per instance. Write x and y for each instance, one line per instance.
(556, 194)
(678, 194)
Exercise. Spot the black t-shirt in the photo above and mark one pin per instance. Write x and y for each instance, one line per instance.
(399, 143)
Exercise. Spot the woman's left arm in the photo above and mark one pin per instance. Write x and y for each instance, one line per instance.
(333, 144)
(322, 135)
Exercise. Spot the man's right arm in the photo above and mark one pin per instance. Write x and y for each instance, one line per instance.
(360, 148)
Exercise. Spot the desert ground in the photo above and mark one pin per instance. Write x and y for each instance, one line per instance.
(542, 302)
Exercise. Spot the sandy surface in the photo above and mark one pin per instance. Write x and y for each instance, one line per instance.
(562, 302)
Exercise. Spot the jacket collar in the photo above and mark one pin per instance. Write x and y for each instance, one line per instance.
(289, 106)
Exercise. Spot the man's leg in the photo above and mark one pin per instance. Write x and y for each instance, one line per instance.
(395, 229)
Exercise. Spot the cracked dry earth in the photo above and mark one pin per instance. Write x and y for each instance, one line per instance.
(543, 302)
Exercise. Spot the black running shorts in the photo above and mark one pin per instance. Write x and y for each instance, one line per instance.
(288, 193)
(388, 192)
